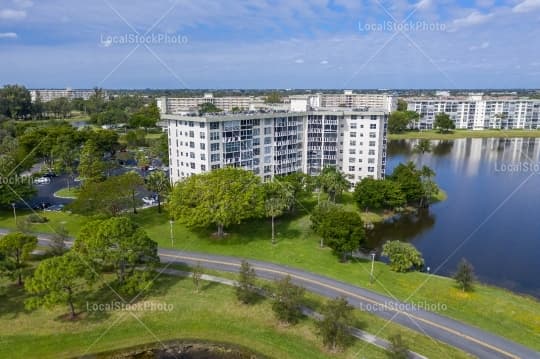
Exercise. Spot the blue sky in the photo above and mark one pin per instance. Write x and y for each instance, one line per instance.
(270, 43)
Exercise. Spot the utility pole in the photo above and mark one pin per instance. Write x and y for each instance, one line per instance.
(372, 265)
(172, 233)
(14, 212)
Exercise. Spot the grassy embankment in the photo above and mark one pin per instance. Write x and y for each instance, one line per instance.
(435, 135)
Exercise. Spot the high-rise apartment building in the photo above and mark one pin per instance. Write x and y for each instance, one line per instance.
(274, 143)
(46, 95)
(477, 112)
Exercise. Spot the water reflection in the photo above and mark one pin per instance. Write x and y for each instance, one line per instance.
(490, 214)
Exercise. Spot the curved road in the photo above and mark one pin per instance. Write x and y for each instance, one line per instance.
(465, 337)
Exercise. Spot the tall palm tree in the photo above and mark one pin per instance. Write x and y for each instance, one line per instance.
(333, 182)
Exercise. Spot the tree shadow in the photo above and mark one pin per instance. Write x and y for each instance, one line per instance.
(12, 297)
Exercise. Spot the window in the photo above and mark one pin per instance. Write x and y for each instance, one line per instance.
(202, 124)
(214, 136)
(192, 144)
(267, 140)
(203, 167)
(371, 152)
(202, 135)
(192, 165)
(214, 125)
(371, 160)
(214, 147)
(191, 134)
(256, 131)
(351, 168)
(215, 167)
(214, 157)
(352, 143)
(268, 130)
(353, 126)
(191, 123)
(267, 169)
(352, 151)
(202, 146)
(352, 159)
(372, 143)
(267, 159)
(203, 157)
(352, 134)
(192, 154)
(256, 142)
(373, 126)
(372, 134)
(371, 169)
(268, 150)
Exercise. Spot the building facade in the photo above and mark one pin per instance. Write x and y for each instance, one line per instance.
(279, 143)
(348, 99)
(177, 105)
(477, 112)
(46, 95)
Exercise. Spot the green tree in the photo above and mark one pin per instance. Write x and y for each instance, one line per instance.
(429, 187)
(146, 117)
(464, 275)
(301, 186)
(58, 280)
(398, 348)
(221, 197)
(159, 183)
(334, 327)
(16, 248)
(401, 121)
(109, 197)
(278, 197)
(287, 301)
(120, 244)
(318, 216)
(246, 290)
(342, 230)
(58, 241)
(15, 102)
(273, 97)
(129, 182)
(91, 165)
(403, 256)
(208, 107)
(443, 123)
(333, 182)
(378, 194)
(13, 186)
(409, 179)
(401, 105)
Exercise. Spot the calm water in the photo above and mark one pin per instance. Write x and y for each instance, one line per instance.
(491, 217)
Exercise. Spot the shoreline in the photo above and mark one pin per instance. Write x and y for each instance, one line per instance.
(457, 134)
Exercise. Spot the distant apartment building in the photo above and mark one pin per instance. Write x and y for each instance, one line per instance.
(46, 95)
(349, 99)
(176, 105)
(275, 143)
(478, 112)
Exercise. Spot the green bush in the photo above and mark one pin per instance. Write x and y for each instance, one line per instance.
(35, 218)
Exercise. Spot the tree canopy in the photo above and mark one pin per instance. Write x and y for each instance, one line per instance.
(403, 256)
(16, 248)
(221, 197)
(443, 123)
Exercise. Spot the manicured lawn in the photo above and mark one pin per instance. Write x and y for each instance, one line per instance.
(497, 310)
(213, 315)
(435, 135)
(72, 192)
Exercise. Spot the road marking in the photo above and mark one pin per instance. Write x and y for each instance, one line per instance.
(452, 331)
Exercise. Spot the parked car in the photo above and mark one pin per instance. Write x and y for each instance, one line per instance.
(49, 174)
(41, 205)
(149, 200)
(42, 180)
(55, 208)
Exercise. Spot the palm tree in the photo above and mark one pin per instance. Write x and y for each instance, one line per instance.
(333, 182)
(423, 146)
(278, 198)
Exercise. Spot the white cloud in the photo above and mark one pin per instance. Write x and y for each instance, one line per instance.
(483, 45)
(10, 14)
(299, 61)
(474, 18)
(527, 6)
(324, 62)
(8, 35)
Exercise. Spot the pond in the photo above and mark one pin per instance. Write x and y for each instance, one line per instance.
(491, 216)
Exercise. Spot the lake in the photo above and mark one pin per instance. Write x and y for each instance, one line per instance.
(491, 217)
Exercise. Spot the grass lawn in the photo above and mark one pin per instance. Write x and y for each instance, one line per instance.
(435, 135)
(212, 314)
(497, 310)
(72, 192)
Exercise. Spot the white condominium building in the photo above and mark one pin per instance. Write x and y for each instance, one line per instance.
(349, 99)
(275, 143)
(477, 112)
(177, 105)
(46, 95)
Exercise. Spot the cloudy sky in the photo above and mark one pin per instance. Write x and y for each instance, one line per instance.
(270, 43)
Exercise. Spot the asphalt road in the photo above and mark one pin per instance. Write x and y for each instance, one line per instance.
(465, 337)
